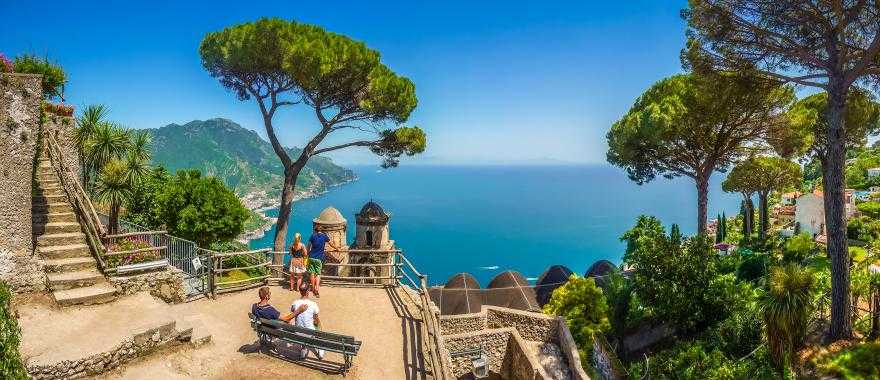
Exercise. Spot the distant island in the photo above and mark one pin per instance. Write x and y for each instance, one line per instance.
(244, 161)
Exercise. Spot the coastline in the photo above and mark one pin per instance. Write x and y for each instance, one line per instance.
(259, 202)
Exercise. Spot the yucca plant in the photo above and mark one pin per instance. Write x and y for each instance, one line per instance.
(114, 187)
(108, 142)
(787, 308)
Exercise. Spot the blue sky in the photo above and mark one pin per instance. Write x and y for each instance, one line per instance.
(497, 82)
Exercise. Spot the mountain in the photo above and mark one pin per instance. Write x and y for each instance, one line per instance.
(238, 156)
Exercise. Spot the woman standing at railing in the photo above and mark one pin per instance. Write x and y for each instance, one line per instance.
(299, 256)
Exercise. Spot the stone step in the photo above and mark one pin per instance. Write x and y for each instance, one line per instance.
(71, 280)
(192, 330)
(54, 217)
(44, 163)
(69, 264)
(51, 208)
(64, 251)
(40, 228)
(49, 199)
(55, 191)
(61, 239)
(90, 295)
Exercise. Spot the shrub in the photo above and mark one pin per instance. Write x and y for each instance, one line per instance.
(11, 366)
(861, 361)
(753, 267)
(129, 244)
(697, 360)
(583, 305)
(799, 248)
(53, 75)
(57, 109)
(870, 209)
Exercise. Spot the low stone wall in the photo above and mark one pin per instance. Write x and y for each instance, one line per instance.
(570, 350)
(462, 323)
(63, 130)
(492, 342)
(166, 284)
(519, 364)
(531, 326)
(141, 343)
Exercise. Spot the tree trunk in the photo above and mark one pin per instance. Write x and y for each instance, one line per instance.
(284, 211)
(114, 219)
(703, 204)
(835, 218)
(875, 312)
(762, 216)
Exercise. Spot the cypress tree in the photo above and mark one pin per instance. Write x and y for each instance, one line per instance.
(675, 235)
(723, 226)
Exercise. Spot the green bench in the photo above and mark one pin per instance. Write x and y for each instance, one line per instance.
(268, 329)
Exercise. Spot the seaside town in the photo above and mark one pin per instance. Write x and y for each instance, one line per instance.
(196, 250)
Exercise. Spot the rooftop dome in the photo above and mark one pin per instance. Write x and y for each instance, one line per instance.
(372, 213)
(460, 295)
(510, 289)
(462, 281)
(330, 215)
(600, 268)
(551, 279)
(508, 279)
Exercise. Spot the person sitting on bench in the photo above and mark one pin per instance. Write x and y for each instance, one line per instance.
(305, 312)
(264, 310)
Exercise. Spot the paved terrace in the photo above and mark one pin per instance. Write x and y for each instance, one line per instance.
(381, 318)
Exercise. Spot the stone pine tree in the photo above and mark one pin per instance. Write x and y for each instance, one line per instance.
(829, 45)
(692, 125)
(352, 94)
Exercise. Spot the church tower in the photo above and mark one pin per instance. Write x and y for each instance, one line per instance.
(372, 243)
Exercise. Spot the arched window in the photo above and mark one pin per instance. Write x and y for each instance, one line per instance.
(368, 236)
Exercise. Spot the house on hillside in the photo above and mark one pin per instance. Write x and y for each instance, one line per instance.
(789, 199)
(873, 172)
(810, 213)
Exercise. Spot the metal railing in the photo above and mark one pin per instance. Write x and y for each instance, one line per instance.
(94, 231)
(247, 261)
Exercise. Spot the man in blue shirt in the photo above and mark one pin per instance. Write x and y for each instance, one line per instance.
(264, 310)
(317, 243)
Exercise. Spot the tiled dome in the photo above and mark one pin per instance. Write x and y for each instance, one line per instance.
(372, 213)
(330, 215)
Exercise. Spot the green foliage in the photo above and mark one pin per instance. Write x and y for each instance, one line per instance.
(787, 308)
(805, 134)
(799, 248)
(863, 228)
(583, 305)
(870, 209)
(141, 206)
(697, 361)
(53, 75)
(677, 281)
(672, 128)
(327, 71)
(11, 366)
(200, 209)
(128, 244)
(861, 361)
(753, 267)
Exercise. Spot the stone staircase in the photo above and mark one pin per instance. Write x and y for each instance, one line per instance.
(72, 272)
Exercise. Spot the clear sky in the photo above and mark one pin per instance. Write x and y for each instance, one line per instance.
(497, 82)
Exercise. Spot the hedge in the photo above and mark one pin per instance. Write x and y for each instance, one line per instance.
(10, 359)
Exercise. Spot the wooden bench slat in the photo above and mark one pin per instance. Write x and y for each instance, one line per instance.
(302, 330)
(343, 344)
(339, 347)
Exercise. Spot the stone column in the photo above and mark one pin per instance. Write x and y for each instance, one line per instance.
(20, 96)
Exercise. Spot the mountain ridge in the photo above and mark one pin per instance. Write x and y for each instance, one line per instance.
(239, 157)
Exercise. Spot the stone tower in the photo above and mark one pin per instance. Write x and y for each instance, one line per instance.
(372, 243)
(371, 229)
(331, 222)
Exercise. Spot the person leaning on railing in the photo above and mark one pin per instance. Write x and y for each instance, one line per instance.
(317, 243)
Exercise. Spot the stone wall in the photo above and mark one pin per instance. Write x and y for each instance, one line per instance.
(531, 326)
(570, 350)
(166, 284)
(20, 97)
(492, 342)
(462, 323)
(519, 364)
(63, 130)
(139, 344)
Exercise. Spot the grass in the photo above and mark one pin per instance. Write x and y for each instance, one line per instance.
(861, 361)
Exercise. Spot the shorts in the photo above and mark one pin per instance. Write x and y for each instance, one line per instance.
(315, 266)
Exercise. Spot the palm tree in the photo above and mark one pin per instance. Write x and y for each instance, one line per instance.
(114, 187)
(787, 308)
(87, 123)
(108, 141)
(140, 145)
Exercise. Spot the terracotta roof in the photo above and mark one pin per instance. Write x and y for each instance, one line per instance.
(785, 210)
(792, 194)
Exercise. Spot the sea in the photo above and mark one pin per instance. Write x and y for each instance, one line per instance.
(488, 219)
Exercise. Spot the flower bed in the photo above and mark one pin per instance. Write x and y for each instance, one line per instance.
(6, 65)
(58, 109)
(131, 243)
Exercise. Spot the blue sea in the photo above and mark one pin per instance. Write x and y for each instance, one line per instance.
(488, 219)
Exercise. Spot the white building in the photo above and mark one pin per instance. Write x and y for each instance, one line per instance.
(873, 172)
(810, 213)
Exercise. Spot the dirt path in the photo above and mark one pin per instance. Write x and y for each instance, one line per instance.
(378, 317)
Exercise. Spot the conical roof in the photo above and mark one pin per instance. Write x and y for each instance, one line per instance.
(510, 289)
(552, 278)
(460, 295)
(330, 215)
(372, 213)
